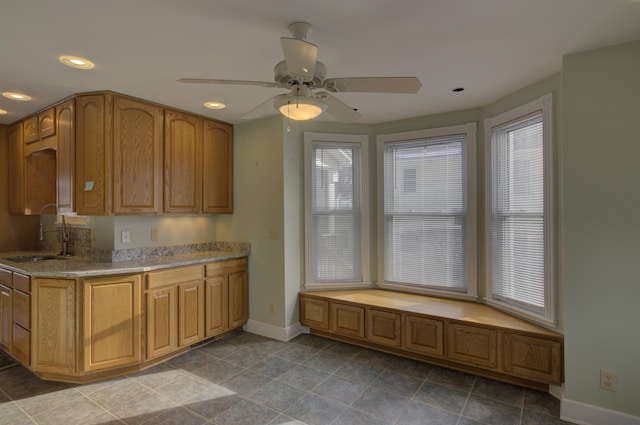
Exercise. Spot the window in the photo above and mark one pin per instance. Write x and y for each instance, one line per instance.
(519, 211)
(427, 210)
(336, 210)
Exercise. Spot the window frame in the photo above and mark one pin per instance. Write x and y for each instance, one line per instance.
(469, 130)
(543, 104)
(336, 139)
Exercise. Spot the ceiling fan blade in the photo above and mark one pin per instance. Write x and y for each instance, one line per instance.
(264, 109)
(239, 82)
(340, 110)
(300, 56)
(373, 84)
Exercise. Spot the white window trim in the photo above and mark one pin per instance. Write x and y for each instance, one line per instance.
(469, 129)
(544, 104)
(363, 141)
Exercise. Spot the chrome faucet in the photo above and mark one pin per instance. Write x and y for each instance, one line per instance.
(42, 219)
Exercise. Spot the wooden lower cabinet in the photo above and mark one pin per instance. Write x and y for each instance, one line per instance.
(190, 312)
(347, 319)
(111, 322)
(6, 321)
(473, 345)
(226, 293)
(54, 326)
(162, 321)
(532, 358)
(314, 313)
(424, 335)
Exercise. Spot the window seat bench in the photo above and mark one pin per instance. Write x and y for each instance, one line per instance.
(461, 335)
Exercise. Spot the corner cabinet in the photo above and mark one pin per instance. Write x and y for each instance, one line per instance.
(136, 157)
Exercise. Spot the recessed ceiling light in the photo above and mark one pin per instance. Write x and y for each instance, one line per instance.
(215, 105)
(3, 112)
(76, 62)
(16, 96)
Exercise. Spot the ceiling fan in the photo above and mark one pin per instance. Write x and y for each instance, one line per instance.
(301, 73)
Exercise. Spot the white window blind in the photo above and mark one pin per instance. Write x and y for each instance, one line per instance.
(335, 192)
(517, 216)
(425, 213)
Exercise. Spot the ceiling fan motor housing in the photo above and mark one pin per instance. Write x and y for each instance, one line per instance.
(284, 79)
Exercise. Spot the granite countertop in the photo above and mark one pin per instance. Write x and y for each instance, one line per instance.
(75, 267)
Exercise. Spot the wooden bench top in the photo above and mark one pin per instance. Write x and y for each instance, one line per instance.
(466, 311)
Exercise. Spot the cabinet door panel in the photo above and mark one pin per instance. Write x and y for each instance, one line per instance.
(137, 157)
(111, 322)
(66, 155)
(162, 326)
(347, 319)
(384, 327)
(30, 130)
(54, 325)
(217, 168)
(5, 317)
(190, 313)
(21, 346)
(47, 123)
(217, 306)
(474, 345)
(533, 358)
(182, 163)
(238, 309)
(424, 335)
(16, 170)
(314, 313)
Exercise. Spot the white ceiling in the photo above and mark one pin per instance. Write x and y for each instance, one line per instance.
(140, 47)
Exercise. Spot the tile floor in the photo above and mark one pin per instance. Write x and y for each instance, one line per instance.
(248, 379)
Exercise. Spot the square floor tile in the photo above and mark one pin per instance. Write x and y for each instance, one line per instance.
(313, 409)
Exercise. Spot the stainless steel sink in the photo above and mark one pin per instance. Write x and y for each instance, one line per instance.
(33, 258)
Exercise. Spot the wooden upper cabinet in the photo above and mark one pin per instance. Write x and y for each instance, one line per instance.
(93, 154)
(182, 163)
(16, 169)
(137, 157)
(30, 130)
(47, 123)
(217, 154)
(65, 155)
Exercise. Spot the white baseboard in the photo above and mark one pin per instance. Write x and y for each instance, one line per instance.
(273, 332)
(587, 414)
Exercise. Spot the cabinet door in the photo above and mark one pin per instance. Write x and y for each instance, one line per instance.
(54, 325)
(347, 319)
(217, 154)
(137, 157)
(30, 130)
(383, 327)
(217, 306)
(473, 345)
(314, 313)
(16, 170)
(182, 163)
(66, 155)
(190, 313)
(93, 155)
(111, 322)
(5, 318)
(162, 325)
(47, 123)
(532, 358)
(238, 309)
(424, 335)
(40, 180)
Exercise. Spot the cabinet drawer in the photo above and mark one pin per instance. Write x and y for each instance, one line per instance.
(22, 283)
(532, 358)
(347, 319)
(21, 303)
(226, 267)
(20, 347)
(424, 335)
(384, 327)
(314, 313)
(5, 278)
(173, 276)
(474, 345)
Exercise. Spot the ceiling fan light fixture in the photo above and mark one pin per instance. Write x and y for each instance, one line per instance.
(300, 108)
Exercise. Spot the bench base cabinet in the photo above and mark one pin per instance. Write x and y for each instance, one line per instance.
(460, 335)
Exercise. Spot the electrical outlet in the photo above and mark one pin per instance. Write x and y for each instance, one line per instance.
(272, 308)
(273, 233)
(154, 234)
(126, 236)
(608, 380)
